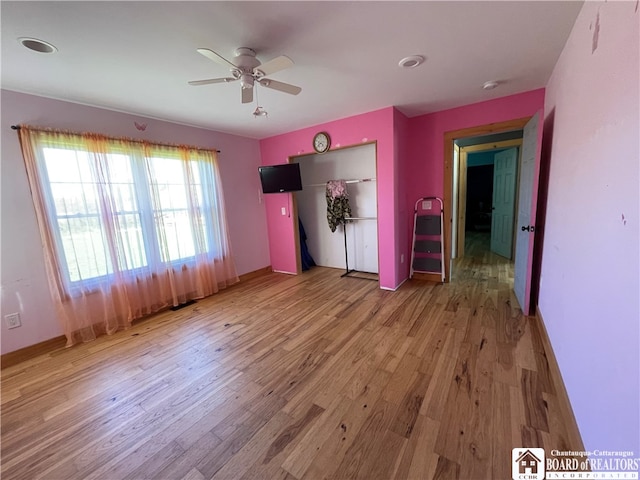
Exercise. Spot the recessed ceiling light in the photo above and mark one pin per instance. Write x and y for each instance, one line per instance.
(490, 85)
(411, 61)
(36, 45)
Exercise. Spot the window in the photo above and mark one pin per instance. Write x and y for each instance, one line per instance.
(127, 227)
(130, 210)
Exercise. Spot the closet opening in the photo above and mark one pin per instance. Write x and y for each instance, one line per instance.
(349, 245)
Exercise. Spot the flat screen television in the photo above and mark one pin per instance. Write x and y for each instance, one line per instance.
(280, 178)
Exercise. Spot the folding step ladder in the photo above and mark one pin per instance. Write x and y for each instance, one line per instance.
(427, 252)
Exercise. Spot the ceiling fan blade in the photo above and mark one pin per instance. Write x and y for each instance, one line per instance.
(211, 55)
(247, 95)
(212, 80)
(280, 86)
(275, 65)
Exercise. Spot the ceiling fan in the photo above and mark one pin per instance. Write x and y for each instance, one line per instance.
(249, 70)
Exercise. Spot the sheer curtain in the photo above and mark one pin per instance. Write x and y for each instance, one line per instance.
(128, 228)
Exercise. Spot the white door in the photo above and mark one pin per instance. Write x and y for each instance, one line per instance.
(528, 195)
(505, 165)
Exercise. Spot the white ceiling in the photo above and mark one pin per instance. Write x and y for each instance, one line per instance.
(138, 56)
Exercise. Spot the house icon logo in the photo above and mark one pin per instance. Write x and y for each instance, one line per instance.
(527, 464)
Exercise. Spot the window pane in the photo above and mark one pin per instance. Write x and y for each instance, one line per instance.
(64, 165)
(195, 168)
(124, 197)
(167, 171)
(75, 198)
(119, 168)
(131, 241)
(179, 240)
(84, 247)
(170, 179)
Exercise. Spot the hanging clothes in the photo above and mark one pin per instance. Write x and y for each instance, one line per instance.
(338, 207)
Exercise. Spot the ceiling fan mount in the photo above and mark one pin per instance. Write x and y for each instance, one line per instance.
(246, 67)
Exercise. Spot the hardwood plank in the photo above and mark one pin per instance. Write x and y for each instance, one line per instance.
(335, 448)
(362, 454)
(182, 465)
(269, 465)
(235, 433)
(301, 457)
(193, 474)
(446, 470)
(409, 406)
(418, 459)
(256, 447)
(501, 417)
(535, 408)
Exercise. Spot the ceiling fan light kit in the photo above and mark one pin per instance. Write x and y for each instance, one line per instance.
(248, 69)
(260, 112)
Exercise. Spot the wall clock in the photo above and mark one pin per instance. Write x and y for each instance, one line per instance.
(321, 142)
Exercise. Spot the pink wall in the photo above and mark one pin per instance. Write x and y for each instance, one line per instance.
(410, 166)
(24, 285)
(355, 130)
(426, 141)
(427, 136)
(589, 292)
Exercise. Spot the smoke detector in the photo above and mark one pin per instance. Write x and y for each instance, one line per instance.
(490, 85)
(411, 61)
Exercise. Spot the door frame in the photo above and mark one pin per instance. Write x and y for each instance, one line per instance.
(462, 183)
(449, 137)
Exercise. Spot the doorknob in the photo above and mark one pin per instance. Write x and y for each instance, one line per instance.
(528, 228)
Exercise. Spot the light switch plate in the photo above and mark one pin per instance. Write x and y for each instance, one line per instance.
(13, 320)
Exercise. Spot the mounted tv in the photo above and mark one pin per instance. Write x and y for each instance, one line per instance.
(280, 178)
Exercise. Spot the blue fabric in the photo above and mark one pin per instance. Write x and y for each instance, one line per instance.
(305, 257)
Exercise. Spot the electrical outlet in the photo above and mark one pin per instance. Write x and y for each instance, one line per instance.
(283, 210)
(402, 258)
(13, 320)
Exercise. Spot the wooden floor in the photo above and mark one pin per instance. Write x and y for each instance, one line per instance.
(296, 377)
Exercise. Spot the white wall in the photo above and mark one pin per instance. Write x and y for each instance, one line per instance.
(326, 247)
(24, 285)
(589, 291)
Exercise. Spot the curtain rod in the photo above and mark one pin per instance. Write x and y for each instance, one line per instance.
(17, 127)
